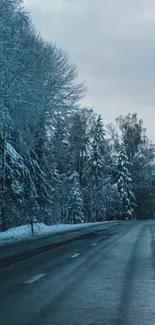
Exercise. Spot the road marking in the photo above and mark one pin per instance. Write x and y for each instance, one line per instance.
(94, 244)
(75, 255)
(35, 278)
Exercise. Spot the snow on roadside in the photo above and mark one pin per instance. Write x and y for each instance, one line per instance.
(23, 233)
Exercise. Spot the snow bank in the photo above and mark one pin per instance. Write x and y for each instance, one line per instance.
(23, 233)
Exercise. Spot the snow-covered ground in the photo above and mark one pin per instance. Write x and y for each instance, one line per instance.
(23, 233)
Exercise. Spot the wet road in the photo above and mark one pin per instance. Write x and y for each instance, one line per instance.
(107, 278)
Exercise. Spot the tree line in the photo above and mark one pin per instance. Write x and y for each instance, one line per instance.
(58, 161)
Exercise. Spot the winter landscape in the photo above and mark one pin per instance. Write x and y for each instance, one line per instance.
(77, 194)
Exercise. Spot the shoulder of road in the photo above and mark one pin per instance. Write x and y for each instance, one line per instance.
(23, 250)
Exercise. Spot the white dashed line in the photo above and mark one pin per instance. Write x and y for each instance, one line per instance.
(75, 255)
(35, 278)
(94, 244)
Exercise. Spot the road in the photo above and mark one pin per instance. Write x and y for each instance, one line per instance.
(107, 278)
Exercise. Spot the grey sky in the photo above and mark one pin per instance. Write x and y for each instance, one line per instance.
(113, 44)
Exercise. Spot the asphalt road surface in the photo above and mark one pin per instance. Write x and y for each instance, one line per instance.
(106, 278)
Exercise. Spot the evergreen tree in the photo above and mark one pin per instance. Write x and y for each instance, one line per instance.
(79, 140)
(75, 210)
(125, 187)
(17, 188)
(99, 163)
(99, 155)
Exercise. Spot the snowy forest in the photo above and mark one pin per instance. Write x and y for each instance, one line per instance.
(59, 162)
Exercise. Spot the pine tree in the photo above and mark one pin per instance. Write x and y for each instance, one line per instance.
(125, 187)
(98, 171)
(99, 155)
(75, 210)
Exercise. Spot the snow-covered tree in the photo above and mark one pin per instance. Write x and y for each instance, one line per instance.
(98, 170)
(75, 208)
(38, 86)
(80, 133)
(99, 154)
(45, 137)
(125, 187)
(17, 189)
(141, 153)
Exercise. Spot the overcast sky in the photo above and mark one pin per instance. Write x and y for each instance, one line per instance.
(112, 43)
